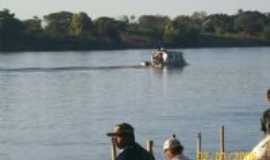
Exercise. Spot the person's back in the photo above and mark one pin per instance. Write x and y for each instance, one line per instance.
(135, 152)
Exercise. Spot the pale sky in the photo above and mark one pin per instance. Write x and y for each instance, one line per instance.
(115, 8)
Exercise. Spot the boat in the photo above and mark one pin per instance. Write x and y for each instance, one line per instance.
(164, 58)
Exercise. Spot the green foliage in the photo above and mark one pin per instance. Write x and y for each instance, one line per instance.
(58, 24)
(218, 23)
(109, 28)
(124, 18)
(76, 31)
(187, 30)
(81, 25)
(249, 22)
(267, 32)
(153, 26)
(199, 17)
(33, 26)
(169, 34)
(11, 30)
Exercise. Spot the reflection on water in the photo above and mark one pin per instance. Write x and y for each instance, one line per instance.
(55, 114)
(73, 68)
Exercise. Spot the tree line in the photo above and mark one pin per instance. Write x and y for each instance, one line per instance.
(77, 31)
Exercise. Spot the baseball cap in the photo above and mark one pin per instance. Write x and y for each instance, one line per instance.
(171, 143)
(122, 129)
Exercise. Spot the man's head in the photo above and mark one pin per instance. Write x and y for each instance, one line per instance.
(172, 147)
(265, 122)
(122, 135)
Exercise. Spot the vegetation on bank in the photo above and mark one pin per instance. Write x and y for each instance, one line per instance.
(77, 31)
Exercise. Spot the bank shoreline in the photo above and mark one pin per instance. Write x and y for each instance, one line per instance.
(133, 48)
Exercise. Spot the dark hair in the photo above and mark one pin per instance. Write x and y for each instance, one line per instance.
(128, 138)
(268, 94)
(177, 150)
(131, 137)
(265, 121)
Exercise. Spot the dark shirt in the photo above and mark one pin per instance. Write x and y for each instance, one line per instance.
(135, 152)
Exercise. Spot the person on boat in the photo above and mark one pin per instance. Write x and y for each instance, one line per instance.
(124, 138)
(262, 150)
(173, 149)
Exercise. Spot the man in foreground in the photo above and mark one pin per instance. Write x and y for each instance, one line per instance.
(124, 138)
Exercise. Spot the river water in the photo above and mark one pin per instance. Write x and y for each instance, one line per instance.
(47, 113)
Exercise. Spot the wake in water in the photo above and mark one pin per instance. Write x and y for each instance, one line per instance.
(73, 68)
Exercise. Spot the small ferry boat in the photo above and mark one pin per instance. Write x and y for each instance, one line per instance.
(161, 58)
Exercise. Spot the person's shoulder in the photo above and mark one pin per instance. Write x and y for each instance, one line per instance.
(121, 156)
(181, 157)
(135, 152)
(144, 153)
(127, 154)
(260, 150)
(262, 145)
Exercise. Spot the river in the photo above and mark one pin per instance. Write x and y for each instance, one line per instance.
(50, 109)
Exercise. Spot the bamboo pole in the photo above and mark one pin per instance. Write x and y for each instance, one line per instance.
(149, 146)
(113, 151)
(199, 147)
(222, 143)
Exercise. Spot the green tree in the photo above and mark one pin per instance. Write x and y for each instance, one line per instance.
(199, 17)
(218, 23)
(132, 19)
(81, 25)
(187, 30)
(266, 32)
(154, 25)
(57, 24)
(109, 28)
(33, 26)
(124, 18)
(169, 34)
(11, 30)
(250, 22)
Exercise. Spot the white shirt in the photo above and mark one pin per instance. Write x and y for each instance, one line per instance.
(261, 151)
(180, 157)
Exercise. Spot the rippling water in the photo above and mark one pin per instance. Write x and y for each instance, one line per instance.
(48, 114)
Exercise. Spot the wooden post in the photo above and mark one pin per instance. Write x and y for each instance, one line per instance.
(114, 151)
(149, 146)
(222, 143)
(199, 147)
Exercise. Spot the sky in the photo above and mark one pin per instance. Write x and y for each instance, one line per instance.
(115, 8)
